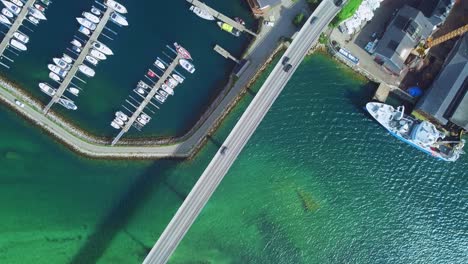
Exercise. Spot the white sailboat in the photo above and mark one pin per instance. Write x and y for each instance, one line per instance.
(54, 77)
(86, 23)
(47, 89)
(84, 30)
(102, 48)
(201, 13)
(86, 70)
(91, 17)
(67, 103)
(56, 69)
(5, 20)
(178, 78)
(12, 7)
(7, 13)
(21, 37)
(159, 64)
(18, 45)
(73, 91)
(37, 14)
(97, 54)
(61, 63)
(17, 2)
(187, 65)
(116, 6)
(119, 19)
(91, 60)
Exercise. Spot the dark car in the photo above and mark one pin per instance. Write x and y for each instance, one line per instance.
(285, 60)
(312, 20)
(287, 67)
(223, 150)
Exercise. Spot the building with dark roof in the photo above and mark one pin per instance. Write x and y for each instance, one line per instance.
(436, 10)
(447, 98)
(405, 31)
(260, 7)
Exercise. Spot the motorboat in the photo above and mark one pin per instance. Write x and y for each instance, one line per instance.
(116, 6)
(140, 90)
(12, 7)
(67, 103)
(167, 89)
(7, 13)
(182, 51)
(97, 54)
(160, 64)
(67, 59)
(169, 84)
(239, 20)
(143, 85)
(17, 2)
(160, 98)
(151, 73)
(91, 60)
(119, 19)
(163, 93)
(102, 48)
(5, 20)
(201, 13)
(56, 69)
(45, 2)
(21, 37)
(228, 28)
(39, 7)
(86, 23)
(91, 17)
(73, 90)
(187, 65)
(145, 117)
(54, 77)
(76, 49)
(37, 14)
(86, 70)
(18, 45)
(33, 20)
(141, 121)
(121, 115)
(84, 30)
(62, 64)
(76, 43)
(172, 81)
(115, 125)
(47, 89)
(96, 11)
(119, 121)
(177, 78)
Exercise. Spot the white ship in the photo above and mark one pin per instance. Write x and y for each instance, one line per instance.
(202, 13)
(187, 65)
(67, 103)
(47, 89)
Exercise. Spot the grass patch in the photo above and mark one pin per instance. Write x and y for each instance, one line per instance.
(348, 11)
(299, 19)
(323, 39)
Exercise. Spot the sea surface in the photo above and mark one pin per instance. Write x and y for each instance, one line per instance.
(319, 182)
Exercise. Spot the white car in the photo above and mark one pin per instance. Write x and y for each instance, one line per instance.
(19, 103)
(268, 23)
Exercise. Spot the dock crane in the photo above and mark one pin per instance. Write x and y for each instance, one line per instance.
(422, 49)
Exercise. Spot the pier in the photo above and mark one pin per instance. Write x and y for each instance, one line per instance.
(221, 17)
(74, 69)
(147, 99)
(225, 53)
(15, 26)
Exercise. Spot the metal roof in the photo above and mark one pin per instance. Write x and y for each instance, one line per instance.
(266, 3)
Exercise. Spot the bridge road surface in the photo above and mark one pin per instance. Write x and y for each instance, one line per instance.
(239, 136)
(81, 57)
(15, 26)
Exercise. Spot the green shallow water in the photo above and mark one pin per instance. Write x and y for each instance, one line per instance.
(319, 182)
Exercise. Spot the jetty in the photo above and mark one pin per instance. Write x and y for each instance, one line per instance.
(147, 99)
(225, 53)
(221, 17)
(79, 61)
(14, 27)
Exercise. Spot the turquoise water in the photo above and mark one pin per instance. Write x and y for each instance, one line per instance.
(153, 25)
(319, 182)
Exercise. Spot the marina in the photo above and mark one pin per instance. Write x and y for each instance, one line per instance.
(91, 47)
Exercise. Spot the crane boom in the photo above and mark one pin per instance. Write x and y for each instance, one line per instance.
(452, 34)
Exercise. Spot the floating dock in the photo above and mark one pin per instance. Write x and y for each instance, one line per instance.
(225, 53)
(221, 17)
(79, 61)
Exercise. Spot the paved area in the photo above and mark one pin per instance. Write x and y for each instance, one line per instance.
(239, 136)
(15, 26)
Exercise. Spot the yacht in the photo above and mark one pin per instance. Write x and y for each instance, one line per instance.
(119, 19)
(140, 90)
(12, 7)
(21, 37)
(37, 14)
(54, 77)
(177, 78)
(172, 81)
(143, 85)
(84, 30)
(45, 2)
(62, 64)
(73, 91)
(56, 69)
(163, 93)
(187, 65)
(97, 54)
(159, 64)
(116, 6)
(39, 7)
(228, 28)
(86, 70)
(5, 20)
(102, 48)
(119, 121)
(47, 89)
(142, 121)
(182, 51)
(86, 23)
(169, 84)
(17, 2)
(96, 11)
(33, 20)
(160, 98)
(121, 115)
(67, 103)
(76, 43)
(167, 89)
(67, 59)
(76, 49)
(91, 17)
(201, 13)
(145, 117)
(91, 60)
(115, 125)
(18, 45)
(7, 13)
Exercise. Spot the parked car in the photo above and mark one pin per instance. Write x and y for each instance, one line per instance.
(19, 103)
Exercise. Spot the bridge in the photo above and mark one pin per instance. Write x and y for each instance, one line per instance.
(241, 133)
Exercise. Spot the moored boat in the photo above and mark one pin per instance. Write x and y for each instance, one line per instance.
(18, 45)
(115, 125)
(45, 2)
(177, 78)
(67, 59)
(86, 70)
(97, 54)
(56, 69)
(17, 2)
(167, 89)
(160, 64)
(160, 98)
(84, 30)
(86, 23)
(39, 7)
(73, 91)
(33, 20)
(67, 103)
(102, 48)
(116, 6)
(201, 13)
(119, 121)
(61, 63)
(119, 19)
(21, 37)
(121, 115)
(47, 89)
(7, 13)
(76, 43)
(228, 28)
(37, 14)
(91, 17)
(12, 7)
(54, 76)
(96, 11)
(182, 51)
(5, 20)
(187, 65)
(173, 82)
(91, 60)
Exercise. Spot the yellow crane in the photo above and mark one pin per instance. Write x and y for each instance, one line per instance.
(422, 49)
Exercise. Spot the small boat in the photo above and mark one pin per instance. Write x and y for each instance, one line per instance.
(119, 19)
(67, 59)
(61, 63)
(151, 73)
(159, 64)
(141, 121)
(18, 45)
(17, 2)
(169, 84)
(54, 77)
(12, 7)
(47, 89)
(121, 115)
(96, 11)
(21, 37)
(33, 20)
(7, 13)
(76, 43)
(39, 7)
(5, 20)
(86, 70)
(97, 54)
(201, 13)
(143, 85)
(102, 48)
(145, 117)
(73, 91)
(37, 14)
(160, 98)
(177, 78)
(172, 81)
(56, 69)
(116, 6)
(167, 89)
(239, 20)
(91, 60)
(67, 103)
(182, 51)
(119, 121)
(228, 28)
(163, 93)
(45, 2)
(91, 17)
(86, 23)
(115, 125)
(84, 30)
(187, 65)
(76, 49)
(140, 90)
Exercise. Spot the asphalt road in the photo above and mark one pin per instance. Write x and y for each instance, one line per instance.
(239, 136)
